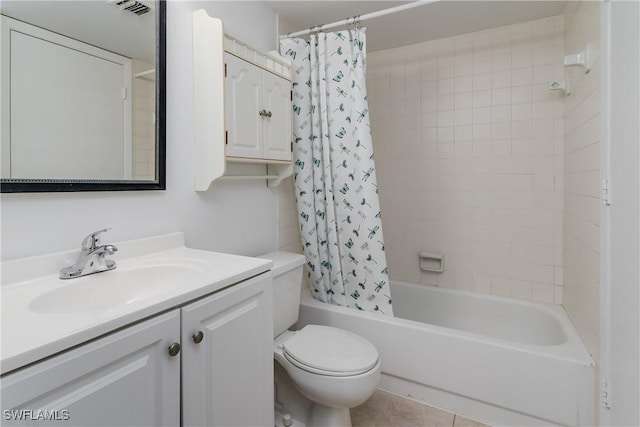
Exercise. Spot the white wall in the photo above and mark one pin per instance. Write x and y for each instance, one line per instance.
(232, 217)
(621, 321)
(288, 226)
(468, 143)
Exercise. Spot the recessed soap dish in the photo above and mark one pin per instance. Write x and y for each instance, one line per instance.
(431, 262)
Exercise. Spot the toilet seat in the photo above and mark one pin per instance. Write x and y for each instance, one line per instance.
(330, 351)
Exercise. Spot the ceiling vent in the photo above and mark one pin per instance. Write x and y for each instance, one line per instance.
(133, 6)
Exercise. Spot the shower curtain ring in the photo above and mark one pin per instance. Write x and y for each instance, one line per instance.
(354, 22)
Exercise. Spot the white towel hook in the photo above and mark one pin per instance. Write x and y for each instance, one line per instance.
(580, 59)
(561, 85)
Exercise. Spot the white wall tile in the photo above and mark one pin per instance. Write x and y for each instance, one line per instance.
(463, 66)
(521, 112)
(446, 118)
(446, 102)
(464, 133)
(463, 84)
(482, 116)
(500, 60)
(463, 117)
(481, 61)
(501, 96)
(481, 98)
(446, 86)
(501, 79)
(543, 292)
(522, 57)
(577, 284)
(501, 113)
(501, 130)
(522, 76)
(482, 129)
(522, 94)
(429, 88)
(482, 81)
(488, 160)
(463, 101)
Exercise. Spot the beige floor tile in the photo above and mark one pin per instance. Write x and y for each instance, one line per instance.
(388, 410)
(461, 421)
(434, 417)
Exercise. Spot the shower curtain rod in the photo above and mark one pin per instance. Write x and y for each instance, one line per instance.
(360, 18)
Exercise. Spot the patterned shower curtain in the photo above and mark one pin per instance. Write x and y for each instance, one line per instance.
(335, 179)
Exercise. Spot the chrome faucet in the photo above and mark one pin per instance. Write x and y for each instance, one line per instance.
(92, 258)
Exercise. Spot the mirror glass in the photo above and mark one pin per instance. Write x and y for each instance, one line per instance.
(82, 95)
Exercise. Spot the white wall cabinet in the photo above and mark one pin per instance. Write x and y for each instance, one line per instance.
(247, 133)
(127, 378)
(257, 112)
(130, 377)
(228, 358)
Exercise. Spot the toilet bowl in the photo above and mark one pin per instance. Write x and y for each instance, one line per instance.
(334, 369)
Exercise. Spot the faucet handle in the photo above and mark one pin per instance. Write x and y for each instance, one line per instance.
(92, 241)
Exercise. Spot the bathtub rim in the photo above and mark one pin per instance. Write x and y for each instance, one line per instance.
(572, 350)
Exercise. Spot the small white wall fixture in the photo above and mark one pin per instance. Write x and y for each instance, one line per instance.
(562, 85)
(580, 59)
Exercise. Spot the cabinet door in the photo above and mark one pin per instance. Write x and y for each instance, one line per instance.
(243, 103)
(124, 379)
(227, 378)
(277, 128)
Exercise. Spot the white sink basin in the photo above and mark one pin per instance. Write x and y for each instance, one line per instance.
(116, 288)
(41, 315)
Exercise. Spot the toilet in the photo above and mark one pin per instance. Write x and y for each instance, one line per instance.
(333, 368)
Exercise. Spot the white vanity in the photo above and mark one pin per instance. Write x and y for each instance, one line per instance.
(172, 336)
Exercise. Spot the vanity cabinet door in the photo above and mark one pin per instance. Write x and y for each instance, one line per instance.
(124, 379)
(227, 358)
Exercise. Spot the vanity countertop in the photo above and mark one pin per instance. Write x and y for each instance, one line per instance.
(33, 328)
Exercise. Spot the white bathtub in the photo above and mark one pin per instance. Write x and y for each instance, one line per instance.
(498, 360)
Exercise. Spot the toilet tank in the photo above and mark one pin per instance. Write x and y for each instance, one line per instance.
(287, 283)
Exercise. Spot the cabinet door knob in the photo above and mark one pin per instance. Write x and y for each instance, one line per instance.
(174, 349)
(268, 114)
(198, 337)
(262, 113)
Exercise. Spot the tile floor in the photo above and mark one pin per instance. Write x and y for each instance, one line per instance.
(386, 410)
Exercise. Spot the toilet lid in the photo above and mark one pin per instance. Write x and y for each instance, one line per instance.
(330, 351)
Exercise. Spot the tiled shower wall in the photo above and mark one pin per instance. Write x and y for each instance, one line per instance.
(143, 111)
(582, 176)
(469, 153)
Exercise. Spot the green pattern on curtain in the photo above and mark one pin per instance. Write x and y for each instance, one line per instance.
(335, 178)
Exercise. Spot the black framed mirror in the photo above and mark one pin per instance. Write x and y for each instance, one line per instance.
(87, 111)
